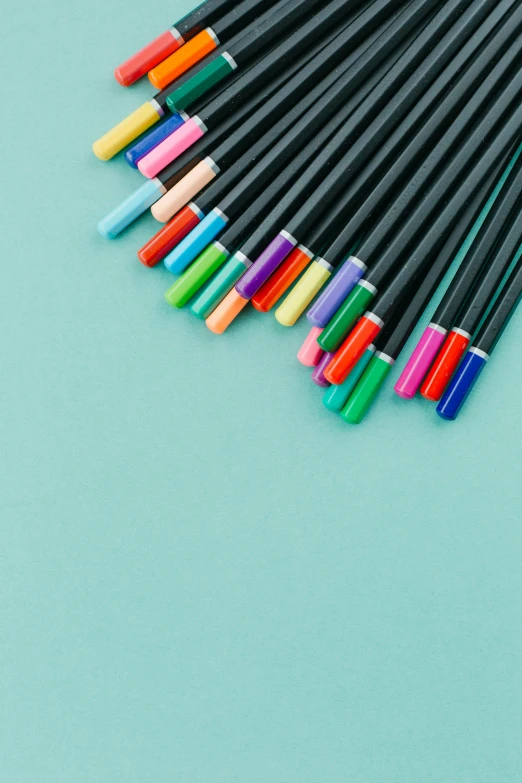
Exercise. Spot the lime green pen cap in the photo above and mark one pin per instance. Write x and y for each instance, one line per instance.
(196, 275)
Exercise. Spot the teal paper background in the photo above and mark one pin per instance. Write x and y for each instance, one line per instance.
(205, 578)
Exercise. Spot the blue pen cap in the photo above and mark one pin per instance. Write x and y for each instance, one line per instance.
(462, 384)
(138, 151)
(130, 209)
(194, 243)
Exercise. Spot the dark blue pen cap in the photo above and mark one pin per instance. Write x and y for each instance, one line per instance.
(462, 384)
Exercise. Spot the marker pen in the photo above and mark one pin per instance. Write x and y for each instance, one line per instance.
(394, 97)
(304, 82)
(410, 379)
(471, 314)
(432, 237)
(477, 259)
(386, 242)
(483, 346)
(287, 18)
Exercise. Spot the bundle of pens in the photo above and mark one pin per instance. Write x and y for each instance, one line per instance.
(344, 149)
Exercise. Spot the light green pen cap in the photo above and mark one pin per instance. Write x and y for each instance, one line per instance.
(187, 286)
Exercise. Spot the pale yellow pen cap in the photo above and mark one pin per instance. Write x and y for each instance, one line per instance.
(306, 289)
(126, 131)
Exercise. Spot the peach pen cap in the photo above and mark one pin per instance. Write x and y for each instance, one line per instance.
(185, 190)
(226, 312)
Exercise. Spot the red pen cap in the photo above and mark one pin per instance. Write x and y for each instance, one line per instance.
(274, 288)
(168, 237)
(348, 355)
(147, 58)
(445, 365)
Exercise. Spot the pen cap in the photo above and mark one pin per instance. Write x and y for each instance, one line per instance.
(300, 297)
(336, 292)
(337, 396)
(194, 244)
(226, 312)
(130, 209)
(138, 151)
(181, 61)
(462, 385)
(340, 325)
(445, 365)
(310, 353)
(220, 285)
(362, 336)
(210, 260)
(201, 83)
(318, 373)
(126, 131)
(420, 362)
(171, 147)
(170, 235)
(183, 192)
(367, 389)
(277, 285)
(140, 63)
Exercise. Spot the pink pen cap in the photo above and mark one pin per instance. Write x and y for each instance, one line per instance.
(172, 147)
(310, 354)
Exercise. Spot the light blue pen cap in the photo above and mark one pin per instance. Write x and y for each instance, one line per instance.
(130, 209)
(194, 243)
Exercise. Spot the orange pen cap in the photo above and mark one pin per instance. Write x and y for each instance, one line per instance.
(180, 62)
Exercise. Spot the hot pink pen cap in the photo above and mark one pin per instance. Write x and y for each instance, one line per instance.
(420, 362)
